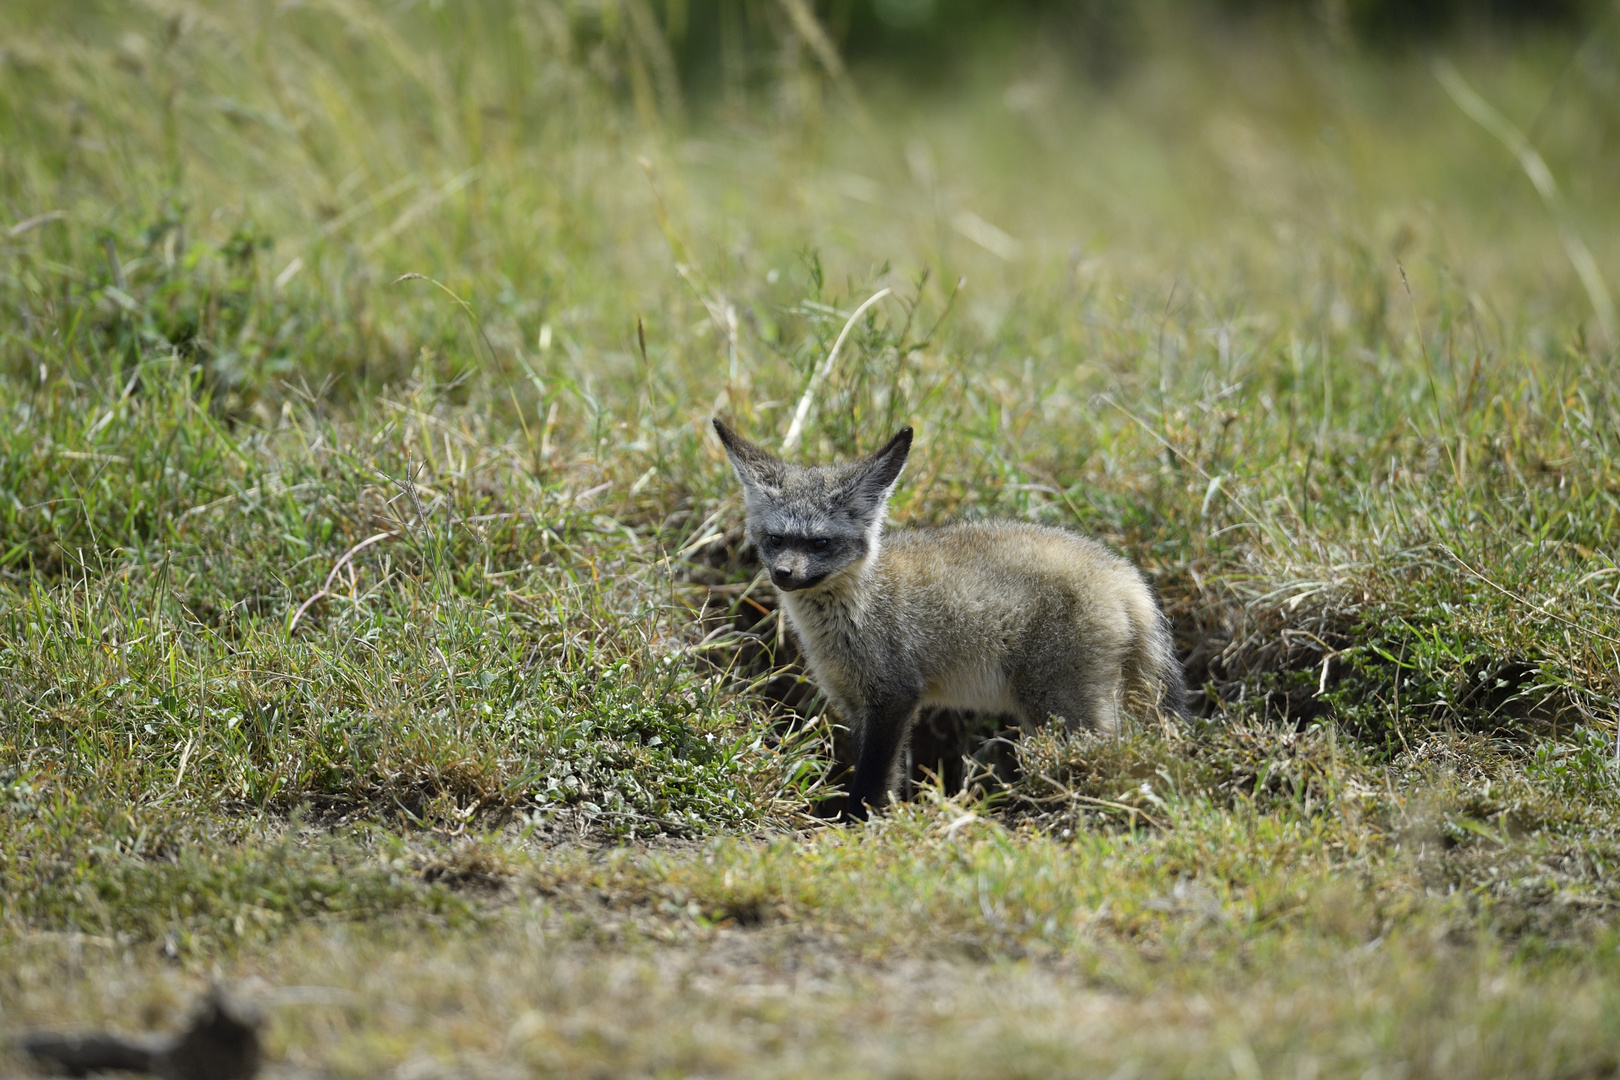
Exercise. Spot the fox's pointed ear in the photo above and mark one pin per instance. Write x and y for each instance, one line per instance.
(753, 464)
(875, 476)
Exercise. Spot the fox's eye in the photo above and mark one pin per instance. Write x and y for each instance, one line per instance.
(821, 544)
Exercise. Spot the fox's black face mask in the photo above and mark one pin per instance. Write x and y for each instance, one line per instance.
(802, 562)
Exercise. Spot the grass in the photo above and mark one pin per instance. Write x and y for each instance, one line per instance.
(375, 631)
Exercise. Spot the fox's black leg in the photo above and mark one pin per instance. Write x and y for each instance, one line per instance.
(883, 730)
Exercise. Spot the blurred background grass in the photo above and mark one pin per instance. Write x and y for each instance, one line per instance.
(1276, 160)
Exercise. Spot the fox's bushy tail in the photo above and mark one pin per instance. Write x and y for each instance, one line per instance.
(1154, 680)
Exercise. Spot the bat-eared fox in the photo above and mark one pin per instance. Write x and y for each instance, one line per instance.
(1001, 617)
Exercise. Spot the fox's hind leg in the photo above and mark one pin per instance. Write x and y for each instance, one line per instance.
(1082, 704)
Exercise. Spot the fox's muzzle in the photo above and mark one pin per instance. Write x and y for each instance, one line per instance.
(792, 573)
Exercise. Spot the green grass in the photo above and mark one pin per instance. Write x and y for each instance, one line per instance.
(374, 615)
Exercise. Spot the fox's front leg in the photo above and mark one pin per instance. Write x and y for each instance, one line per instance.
(884, 723)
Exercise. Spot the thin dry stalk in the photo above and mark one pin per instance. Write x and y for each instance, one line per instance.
(1535, 167)
(325, 590)
(796, 429)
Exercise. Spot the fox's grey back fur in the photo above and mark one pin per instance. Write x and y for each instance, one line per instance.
(994, 616)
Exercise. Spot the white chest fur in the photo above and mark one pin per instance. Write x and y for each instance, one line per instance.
(973, 688)
(829, 631)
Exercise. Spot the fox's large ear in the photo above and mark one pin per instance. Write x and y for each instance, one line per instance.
(874, 476)
(753, 464)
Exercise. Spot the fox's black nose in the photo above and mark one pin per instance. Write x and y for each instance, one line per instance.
(782, 575)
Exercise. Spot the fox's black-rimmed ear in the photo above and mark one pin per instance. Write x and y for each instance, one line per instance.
(872, 478)
(752, 463)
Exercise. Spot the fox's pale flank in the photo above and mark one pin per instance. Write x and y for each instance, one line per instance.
(992, 616)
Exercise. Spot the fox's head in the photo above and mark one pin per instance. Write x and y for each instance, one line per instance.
(810, 523)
